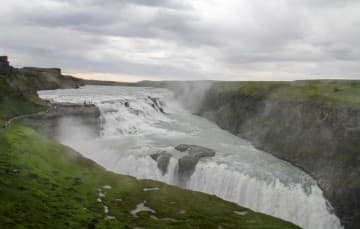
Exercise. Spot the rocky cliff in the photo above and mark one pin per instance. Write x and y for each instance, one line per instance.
(313, 124)
(18, 88)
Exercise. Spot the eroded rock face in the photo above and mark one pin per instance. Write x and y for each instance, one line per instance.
(156, 104)
(187, 164)
(196, 151)
(47, 122)
(162, 159)
(42, 71)
(324, 142)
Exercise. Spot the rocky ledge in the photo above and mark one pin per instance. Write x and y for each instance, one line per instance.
(187, 163)
(47, 122)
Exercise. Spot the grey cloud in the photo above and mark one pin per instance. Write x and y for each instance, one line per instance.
(268, 36)
(115, 20)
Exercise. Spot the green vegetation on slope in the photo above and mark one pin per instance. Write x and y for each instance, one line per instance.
(18, 89)
(324, 93)
(15, 102)
(46, 185)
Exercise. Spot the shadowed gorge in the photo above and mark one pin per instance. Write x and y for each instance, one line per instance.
(313, 124)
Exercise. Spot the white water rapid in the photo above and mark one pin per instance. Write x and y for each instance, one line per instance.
(138, 122)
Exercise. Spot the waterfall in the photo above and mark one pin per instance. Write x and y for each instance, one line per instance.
(140, 122)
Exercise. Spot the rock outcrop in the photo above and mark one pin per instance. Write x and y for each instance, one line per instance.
(162, 159)
(187, 163)
(156, 104)
(4, 65)
(31, 79)
(47, 122)
(42, 71)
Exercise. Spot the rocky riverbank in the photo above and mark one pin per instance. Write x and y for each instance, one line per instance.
(47, 122)
(316, 133)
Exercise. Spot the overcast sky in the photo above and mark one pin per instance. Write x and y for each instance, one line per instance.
(185, 40)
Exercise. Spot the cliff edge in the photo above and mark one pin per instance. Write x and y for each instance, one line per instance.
(315, 125)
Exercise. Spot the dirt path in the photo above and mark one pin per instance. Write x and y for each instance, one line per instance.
(7, 123)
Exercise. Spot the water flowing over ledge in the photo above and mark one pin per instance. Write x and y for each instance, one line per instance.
(139, 122)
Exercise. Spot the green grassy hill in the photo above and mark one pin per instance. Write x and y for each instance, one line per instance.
(47, 185)
(15, 102)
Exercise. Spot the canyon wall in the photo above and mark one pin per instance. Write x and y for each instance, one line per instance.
(320, 134)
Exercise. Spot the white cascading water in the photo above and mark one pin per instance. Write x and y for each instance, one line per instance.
(134, 127)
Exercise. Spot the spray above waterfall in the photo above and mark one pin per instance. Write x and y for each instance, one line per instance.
(146, 133)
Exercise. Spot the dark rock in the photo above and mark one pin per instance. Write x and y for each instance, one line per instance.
(196, 151)
(4, 65)
(41, 71)
(162, 160)
(182, 147)
(187, 164)
(4, 60)
(156, 104)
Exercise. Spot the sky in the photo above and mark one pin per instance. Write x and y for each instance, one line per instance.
(132, 40)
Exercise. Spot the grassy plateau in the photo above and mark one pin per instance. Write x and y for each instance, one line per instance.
(323, 93)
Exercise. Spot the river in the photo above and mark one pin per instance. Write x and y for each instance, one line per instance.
(137, 122)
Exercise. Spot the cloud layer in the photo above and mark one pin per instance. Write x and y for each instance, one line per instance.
(185, 40)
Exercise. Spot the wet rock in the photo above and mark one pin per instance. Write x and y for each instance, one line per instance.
(187, 164)
(162, 159)
(156, 104)
(196, 151)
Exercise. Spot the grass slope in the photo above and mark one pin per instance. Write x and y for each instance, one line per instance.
(46, 185)
(15, 102)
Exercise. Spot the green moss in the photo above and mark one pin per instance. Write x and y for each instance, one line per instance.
(14, 102)
(47, 185)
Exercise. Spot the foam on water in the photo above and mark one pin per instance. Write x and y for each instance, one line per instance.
(133, 128)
